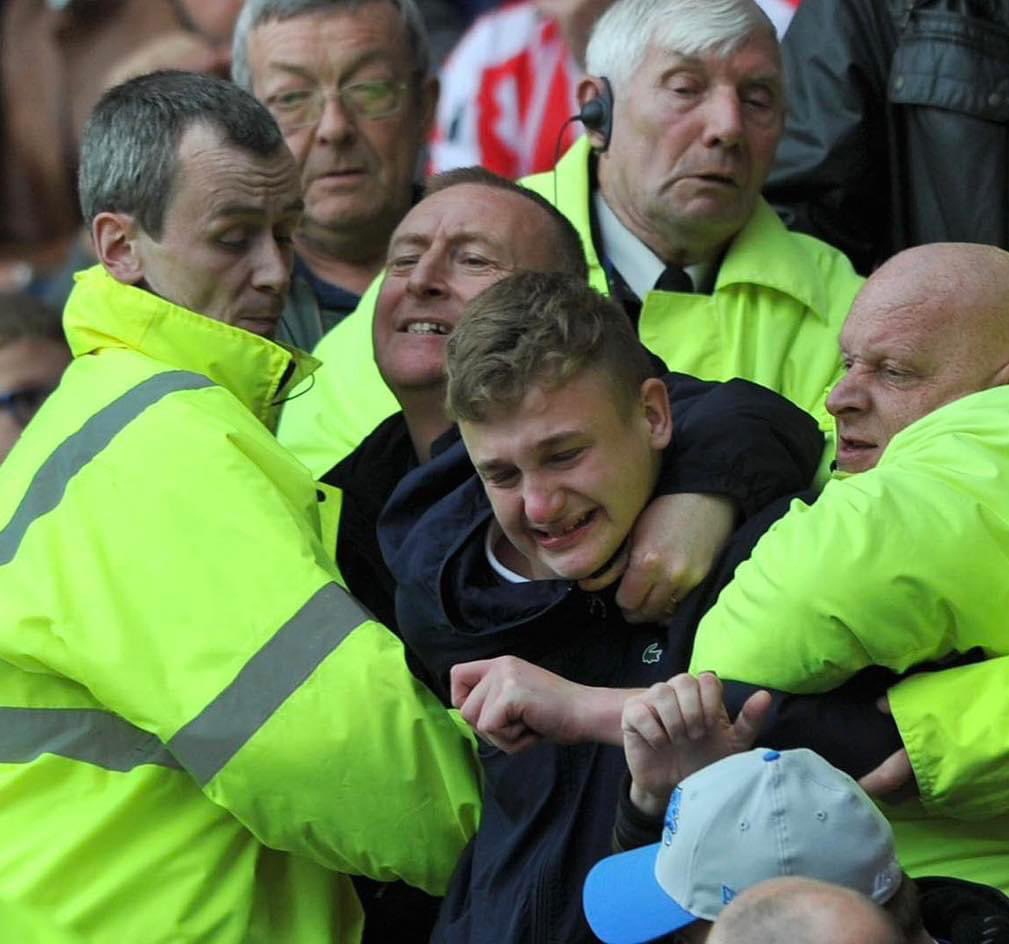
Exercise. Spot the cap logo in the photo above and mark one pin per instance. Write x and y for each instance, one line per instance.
(672, 821)
(883, 882)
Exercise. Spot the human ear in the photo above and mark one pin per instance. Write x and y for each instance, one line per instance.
(657, 412)
(595, 100)
(115, 237)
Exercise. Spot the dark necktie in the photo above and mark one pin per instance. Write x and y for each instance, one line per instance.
(674, 279)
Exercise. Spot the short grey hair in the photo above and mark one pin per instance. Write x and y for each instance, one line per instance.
(129, 149)
(622, 35)
(256, 12)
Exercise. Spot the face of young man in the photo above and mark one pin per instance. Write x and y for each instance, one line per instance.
(569, 470)
(225, 250)
(359, 156)
(693, 141)
(449, 248)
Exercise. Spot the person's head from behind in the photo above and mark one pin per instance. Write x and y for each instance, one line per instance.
(562, 416)
(349, 84)
(739, 822)
(33, 356)
(697, 113)
(803, 911)
(930, 326)
(472, 229)
(191, 194)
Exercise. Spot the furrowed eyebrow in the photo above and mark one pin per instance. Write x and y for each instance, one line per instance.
(491, 466)
(248, 210)
(561, 438)
(302, 72)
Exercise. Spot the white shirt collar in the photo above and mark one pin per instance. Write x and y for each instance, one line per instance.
(494, 533)
(636, 263)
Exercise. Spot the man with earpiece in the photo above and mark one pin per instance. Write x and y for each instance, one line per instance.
(667, 179)
(684, 107)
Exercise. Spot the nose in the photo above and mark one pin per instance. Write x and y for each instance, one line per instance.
(336, 122)
(723, 118)
(427, 278)
(542, 502)
(272, 265)
(847, 395)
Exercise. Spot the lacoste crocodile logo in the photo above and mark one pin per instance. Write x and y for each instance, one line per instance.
(651, 654)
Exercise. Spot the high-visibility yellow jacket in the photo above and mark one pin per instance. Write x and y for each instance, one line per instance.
(774, 317)
(23, 926)
(906, 563)
(199, 728)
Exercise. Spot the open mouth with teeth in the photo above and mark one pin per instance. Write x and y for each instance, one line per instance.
(564, 535)
(427, 327)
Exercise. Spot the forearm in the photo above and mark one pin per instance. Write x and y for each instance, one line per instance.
(737, 440)
(844, 726)
(596, 714)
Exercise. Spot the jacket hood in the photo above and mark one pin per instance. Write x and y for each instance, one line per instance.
(432, 537)
(103, 314)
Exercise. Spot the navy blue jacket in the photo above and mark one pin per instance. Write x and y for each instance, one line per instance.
(548, 812)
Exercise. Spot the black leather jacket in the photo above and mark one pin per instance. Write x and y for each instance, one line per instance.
(898, 125)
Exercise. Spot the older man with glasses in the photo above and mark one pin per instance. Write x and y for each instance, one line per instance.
(348, 82)
(33, 356)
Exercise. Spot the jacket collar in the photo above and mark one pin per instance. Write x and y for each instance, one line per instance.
(764, 252)
(102, 313)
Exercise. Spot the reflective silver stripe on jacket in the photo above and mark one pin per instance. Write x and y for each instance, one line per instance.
(85, 734)
(210, 740)
(272, 675)
(51, 480)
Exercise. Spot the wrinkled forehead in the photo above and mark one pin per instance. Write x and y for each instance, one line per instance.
(751, 55)
(214, 175)
(894, 319)
(472, 211)
(329, 41)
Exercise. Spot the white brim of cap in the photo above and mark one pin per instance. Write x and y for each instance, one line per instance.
(624, 903)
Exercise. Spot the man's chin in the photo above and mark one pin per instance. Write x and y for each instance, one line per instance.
(261, 327)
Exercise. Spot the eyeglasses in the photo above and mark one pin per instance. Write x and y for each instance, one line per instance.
(22, 405)
(300, 108)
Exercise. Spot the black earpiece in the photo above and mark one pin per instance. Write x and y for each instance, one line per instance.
(597, 113)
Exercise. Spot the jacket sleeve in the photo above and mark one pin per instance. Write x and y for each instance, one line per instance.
(953, 726)
(854, 580)
(831, 175)
(228, 635)
(844, 726)
(737, 439)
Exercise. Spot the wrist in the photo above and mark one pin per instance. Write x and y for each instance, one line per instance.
(651, 804)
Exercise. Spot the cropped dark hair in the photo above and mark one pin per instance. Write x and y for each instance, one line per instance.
(569, 251)
(538, 329)
(129, 150)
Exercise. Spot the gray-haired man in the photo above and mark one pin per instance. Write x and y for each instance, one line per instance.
(191, 699)
(348, 82)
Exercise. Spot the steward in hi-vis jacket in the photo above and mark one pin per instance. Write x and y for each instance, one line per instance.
(895, 566)
(201, 729)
